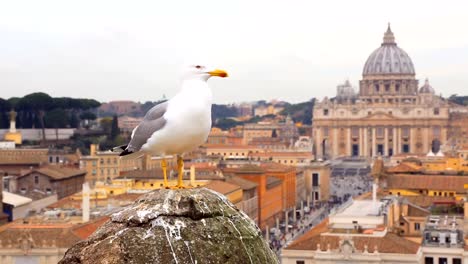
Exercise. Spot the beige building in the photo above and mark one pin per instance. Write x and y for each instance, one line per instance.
(105, 165)
(389, 115)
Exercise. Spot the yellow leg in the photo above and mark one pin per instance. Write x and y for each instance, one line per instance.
(180, 167)
(164, 169)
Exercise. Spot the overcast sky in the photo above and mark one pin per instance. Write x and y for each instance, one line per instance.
(288, 50)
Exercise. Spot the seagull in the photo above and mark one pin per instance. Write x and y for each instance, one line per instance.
(178, 125)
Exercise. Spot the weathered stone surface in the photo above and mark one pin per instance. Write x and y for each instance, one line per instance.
(175, 226)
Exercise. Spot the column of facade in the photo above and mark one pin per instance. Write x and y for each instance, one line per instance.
(335, 142)
(366, 148)
(374, 149)
(412, 140)
(395, 148)
(399, 140)
(361, 141)
(443, 135)
(426, 147)
(318, 143)
(385, 152)
(348, 141)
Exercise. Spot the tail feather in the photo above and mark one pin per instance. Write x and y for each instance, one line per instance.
(119, 148)
(126, 152)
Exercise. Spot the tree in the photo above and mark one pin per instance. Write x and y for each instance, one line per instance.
(106, 124)
(39, 103)
(115, 131)
(4, 109)
(56, 118)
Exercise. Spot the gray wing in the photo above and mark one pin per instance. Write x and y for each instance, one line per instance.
(152, 122)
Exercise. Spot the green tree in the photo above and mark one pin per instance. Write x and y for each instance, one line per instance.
(106, 125)
(56, 118)
(115, 131)
(39, 103)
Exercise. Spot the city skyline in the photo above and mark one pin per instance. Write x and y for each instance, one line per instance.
(272, 50)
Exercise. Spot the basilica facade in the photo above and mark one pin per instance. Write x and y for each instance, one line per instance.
(391, 114)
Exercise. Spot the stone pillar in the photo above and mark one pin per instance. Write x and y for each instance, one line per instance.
(318, 143)
(399, 140)
(85, 202)
(267, 234)
(443, 135)
(374, 149)
(348, 141)
(286, 220)
(335, 142)
(361, 141)
(395, 150)
(426, 142)
(294, 214)
(412, 141)
(302, 209)
(366, 147)
(385, 152)
(277, 223)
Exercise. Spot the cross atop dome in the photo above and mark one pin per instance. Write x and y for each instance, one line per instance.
(389, 38)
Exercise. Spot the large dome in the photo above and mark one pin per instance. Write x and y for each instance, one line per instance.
(388, 59)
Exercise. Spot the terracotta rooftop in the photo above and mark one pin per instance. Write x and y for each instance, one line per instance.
(243, 183)
(282, 154)
(405, 168)
(222, 187)
(57, 172)
(429, 182)
(47, 235)
(425, 201)
(223, 146)
(390, 243)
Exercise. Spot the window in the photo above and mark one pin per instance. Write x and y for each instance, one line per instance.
(300, 262)
(94, 172)
(387, 88)
(417, 226)
(57, 159)
(397, 88)
(51, 159)
(456, 261)
(325, 112)
(405, 132)
(325, 131)
(428, 260)
(436, 111)
(36, 179)
(443, 261)
(377, 88)
(315, 179)
(380, 132)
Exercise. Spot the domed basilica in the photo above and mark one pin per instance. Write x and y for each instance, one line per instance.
(389, 115)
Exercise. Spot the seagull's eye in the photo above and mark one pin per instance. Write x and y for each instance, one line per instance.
(198, 67)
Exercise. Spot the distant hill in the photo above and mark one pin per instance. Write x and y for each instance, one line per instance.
(300, 112)
(461, 100)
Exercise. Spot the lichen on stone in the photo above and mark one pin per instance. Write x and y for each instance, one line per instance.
(175, 226)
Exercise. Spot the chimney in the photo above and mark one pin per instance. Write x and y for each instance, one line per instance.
(93, 148)
(85, 205)
(192, 176)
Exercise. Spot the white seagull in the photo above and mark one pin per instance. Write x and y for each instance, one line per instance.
(178, 125)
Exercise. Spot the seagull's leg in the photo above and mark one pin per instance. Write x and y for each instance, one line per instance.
(164, 169)
(180, 167)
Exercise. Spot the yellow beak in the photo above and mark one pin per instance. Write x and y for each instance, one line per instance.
(219, 73)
